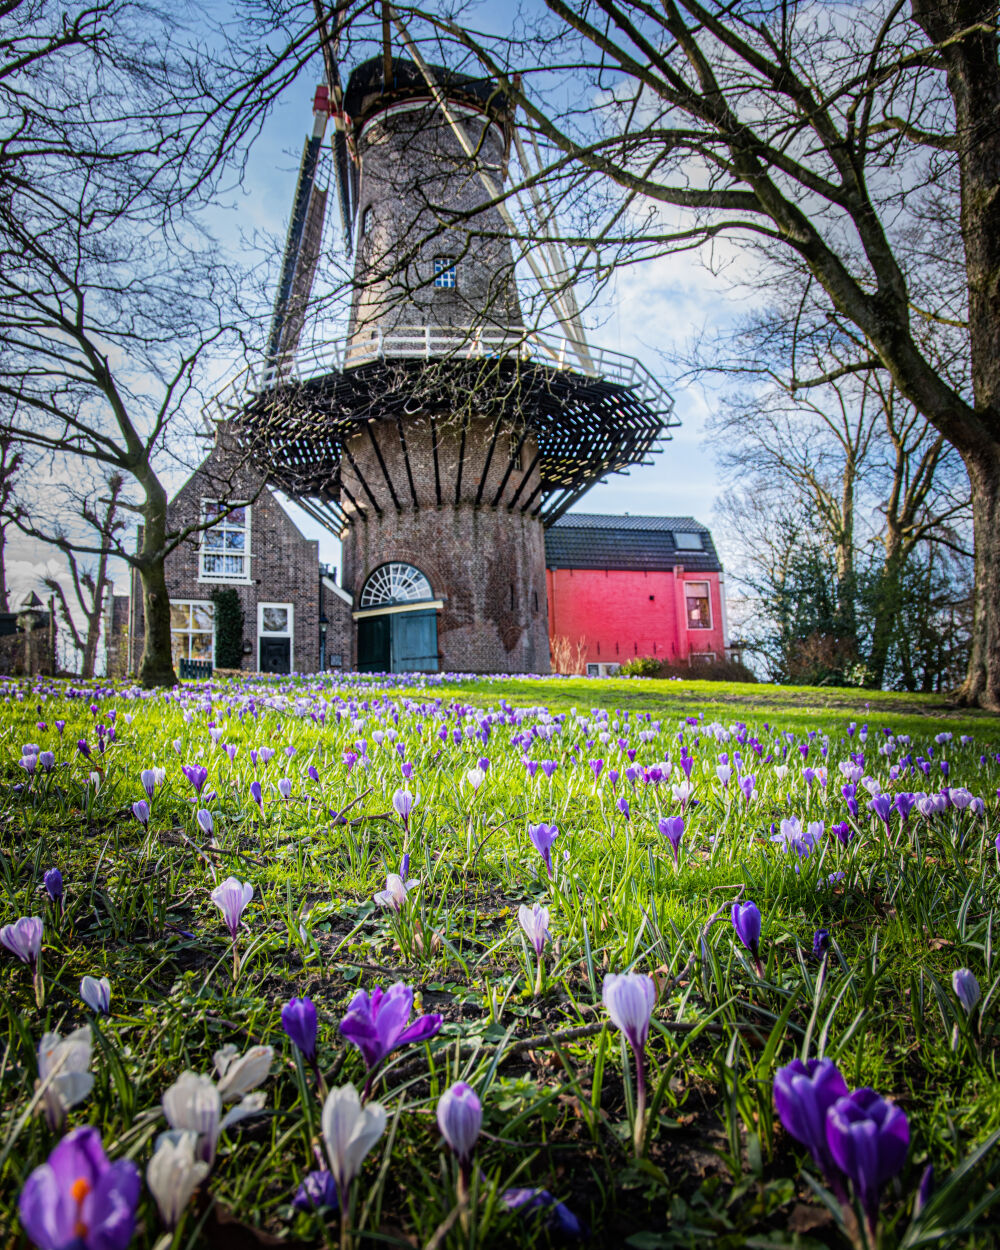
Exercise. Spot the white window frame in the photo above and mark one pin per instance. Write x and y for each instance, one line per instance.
(289, 633)
(446, 272)
(187, 633)
(687, 617)
(230, 579)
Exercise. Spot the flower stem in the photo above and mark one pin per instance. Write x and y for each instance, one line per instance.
(639, 1133)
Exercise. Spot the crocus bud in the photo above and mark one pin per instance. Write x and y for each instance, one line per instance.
(298, 1019)
(205, 822)
(96, 994)
(629, 998)
(966, 987)
(746, 921)
(54, 884)
(350, 1131)
(460, 1117)
(140, 811)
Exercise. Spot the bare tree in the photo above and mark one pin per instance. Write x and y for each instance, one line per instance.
(116, 123)
(854, 148)
(11, 464)
(90, 582)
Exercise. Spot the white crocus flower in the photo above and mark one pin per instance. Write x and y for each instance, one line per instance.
(174, 1174)
(96, 994)
(239, 1074)
(475, 777)
(193, 1105)
(64, 1073)
(350, 1131)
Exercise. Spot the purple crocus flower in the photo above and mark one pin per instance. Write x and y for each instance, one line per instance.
(623, 806)
(78, 1200)
(318, 1190)
(54, 885)
(285, 788)
(746, 921)
(535, 923)
(231, 898)
(747, 783)
(83, 746)
(257, 794)
(311, 770)
(904, 805)
(47, 760)
(803, 1094)
(549, 767)
(205, 822)
(404, 802)
(672, 828)
(377, 1023)
(966, 987)
(595, 767)
(140, 811)
(555, 1216)
(821, 942)
(148, 779)
(460, 1117)
(629, 998)
(868, 1138)
(197, 774)
(842, 831)
(23, 938)
(298, 1019)
(542, 836)
(881, 805)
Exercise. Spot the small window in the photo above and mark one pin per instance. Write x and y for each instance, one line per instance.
(688, 542)
(698, 604)
(274, 619)
(225, 548)
(444, 271)
(702, 657)
(192, 630)
(367, 220)
(593, 670)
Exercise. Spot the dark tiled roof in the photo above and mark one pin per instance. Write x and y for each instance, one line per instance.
(589, 540)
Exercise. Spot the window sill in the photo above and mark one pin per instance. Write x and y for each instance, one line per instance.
(224, 581)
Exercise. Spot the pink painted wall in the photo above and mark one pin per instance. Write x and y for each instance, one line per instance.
(625, 614)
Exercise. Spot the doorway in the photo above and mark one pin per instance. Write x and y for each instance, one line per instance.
(398, 642)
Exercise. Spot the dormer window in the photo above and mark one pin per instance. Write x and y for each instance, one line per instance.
(444, 271)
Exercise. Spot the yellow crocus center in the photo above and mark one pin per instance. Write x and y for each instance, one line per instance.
(79, 1190)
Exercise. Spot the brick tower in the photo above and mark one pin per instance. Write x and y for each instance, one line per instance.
(440, 435)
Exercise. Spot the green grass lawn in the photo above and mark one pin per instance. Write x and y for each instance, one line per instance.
(704, 1160)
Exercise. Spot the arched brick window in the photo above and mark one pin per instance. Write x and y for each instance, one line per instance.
(395, 583)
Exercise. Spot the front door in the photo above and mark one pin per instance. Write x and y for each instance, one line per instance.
(414, 642)
(275, 655)
(373, 644)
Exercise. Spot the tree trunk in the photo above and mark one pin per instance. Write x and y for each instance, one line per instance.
(982, 685)
(4, 603)
(156, 667)
(887, 605)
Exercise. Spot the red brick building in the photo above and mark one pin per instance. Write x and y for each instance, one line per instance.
(632, 586)
(295, 618)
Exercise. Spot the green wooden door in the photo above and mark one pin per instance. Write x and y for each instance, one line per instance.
(374, 655)
(414, 642)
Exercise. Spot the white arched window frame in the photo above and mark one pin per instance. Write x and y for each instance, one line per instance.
(395, 582)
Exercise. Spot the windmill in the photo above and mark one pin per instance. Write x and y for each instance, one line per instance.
(440, 434)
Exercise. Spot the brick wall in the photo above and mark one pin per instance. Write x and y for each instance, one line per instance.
(284, 565)
(487, 563)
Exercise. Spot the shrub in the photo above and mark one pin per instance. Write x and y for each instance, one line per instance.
(717, 670)
(228, 628)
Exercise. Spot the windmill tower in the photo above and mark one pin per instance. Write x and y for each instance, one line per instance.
(439, 436)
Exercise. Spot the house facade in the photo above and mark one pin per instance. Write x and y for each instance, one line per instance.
(295, 618)
(626, 586)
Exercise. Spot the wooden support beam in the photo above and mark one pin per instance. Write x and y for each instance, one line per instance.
(406, 461)
(437, 469)
(461, 459)
(361, 478)
(381, 461)
(515, 458)
(525, 478)
(489, 458)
